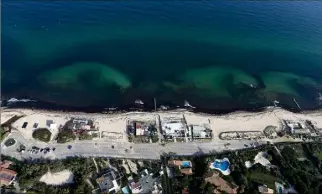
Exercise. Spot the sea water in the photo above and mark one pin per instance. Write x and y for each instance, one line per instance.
(217, 55)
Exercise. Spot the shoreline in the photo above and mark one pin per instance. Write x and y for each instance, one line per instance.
(51, 107)
(118, 111)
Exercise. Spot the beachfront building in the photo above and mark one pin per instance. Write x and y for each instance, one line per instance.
(174, 127)
(81, 126)
(141, 128)
(185, 167)
(222, 165)
(199, 131)
(296, 127)
(142, 131)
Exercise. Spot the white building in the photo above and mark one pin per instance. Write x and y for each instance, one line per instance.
(174, 127)
(199, 131)
(297, 127)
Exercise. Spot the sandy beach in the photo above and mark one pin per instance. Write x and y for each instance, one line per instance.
(116, 123)
(58, 178)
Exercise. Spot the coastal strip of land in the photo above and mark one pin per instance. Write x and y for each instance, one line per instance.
(178, 132)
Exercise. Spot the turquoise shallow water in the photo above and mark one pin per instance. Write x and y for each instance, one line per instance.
(216, 55)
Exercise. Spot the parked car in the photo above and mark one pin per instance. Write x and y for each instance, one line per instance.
(35, 148)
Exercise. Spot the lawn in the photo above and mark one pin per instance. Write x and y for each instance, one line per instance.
(65, 136)
(85, 136)
(42, 134)
(319, 155)
(3, 133)
(263, 178)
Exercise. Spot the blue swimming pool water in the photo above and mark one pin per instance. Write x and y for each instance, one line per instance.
(224, 165)
(185, 164)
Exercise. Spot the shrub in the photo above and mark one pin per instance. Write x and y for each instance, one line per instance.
(65, 136)
(42, 134)
(10, 142)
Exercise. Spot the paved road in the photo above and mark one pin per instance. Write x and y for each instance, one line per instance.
(103, 148)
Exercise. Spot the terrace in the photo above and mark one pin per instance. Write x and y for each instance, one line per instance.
(300, 128)
(174, 127)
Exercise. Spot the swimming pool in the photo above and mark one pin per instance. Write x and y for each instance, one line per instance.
(222, 165)
(185, 164)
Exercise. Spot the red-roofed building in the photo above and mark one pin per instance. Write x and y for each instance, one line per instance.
(135, 187)
(7, 176)
(184, 166)
(185, 191)
(5, 164)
